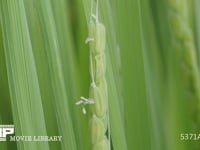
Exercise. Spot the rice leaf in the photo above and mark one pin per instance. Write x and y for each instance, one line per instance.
(61, 101)
(22, 76)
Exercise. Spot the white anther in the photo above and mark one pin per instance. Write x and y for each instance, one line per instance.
(84, 101)
(79, 102)
(83, 98)
(84, 111)
(89, 39)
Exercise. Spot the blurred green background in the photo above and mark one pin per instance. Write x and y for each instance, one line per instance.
(152, 71)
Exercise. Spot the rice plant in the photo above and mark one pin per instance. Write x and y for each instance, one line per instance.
(99, 75)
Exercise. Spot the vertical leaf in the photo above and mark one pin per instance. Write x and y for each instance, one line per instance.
(22, 76)
(61, 101)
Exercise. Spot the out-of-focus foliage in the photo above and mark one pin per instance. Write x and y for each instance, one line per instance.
(152, 59)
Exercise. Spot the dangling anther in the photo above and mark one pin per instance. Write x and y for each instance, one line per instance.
(84, 101)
